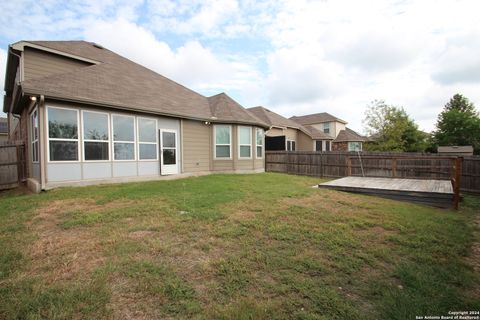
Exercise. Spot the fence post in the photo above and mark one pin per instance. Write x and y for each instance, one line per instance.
(394, 167)
(321, 164)
(456, 186)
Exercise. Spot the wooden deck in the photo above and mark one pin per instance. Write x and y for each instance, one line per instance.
(437, 193)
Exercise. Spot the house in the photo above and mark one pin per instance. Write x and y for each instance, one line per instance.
(88, 115)
(3, 129)
(342, 138)
(285, 134)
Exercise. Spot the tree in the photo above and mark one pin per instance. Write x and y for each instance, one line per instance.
(392, 129)
(458, 124)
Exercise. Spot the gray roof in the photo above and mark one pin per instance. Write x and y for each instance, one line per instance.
(276, 120)
(348, 135)
(272, 118)
(316, 118)
(3, 125)
(115, 81)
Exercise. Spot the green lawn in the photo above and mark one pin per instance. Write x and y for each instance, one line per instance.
(263, 246)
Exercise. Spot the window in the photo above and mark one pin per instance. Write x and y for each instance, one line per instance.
(326, 127)
(327, 146)
(244, 142)
(318, 145)
(123, 137)
(223, 141)
(96, 142)
(34, 134)
(354, 146)
(147, 139)
(62, 134)
(290, 145)
(259, 136)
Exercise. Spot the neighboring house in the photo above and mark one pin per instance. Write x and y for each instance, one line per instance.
(343, 138)
(88, 115)
(285, 134)
(3, 129)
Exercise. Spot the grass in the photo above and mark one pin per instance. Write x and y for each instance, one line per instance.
(264, 246)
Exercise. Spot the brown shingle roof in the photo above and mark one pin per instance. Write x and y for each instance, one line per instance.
(316, 118)
(276, 120)
(225, 108)
(272, 118)
(119, 82)
(317, 134)
(348, 135)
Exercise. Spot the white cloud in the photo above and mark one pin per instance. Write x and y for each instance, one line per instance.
(191, 64)
(310, 56)
(3, 66)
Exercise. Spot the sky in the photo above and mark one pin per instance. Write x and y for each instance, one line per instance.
(292, 57)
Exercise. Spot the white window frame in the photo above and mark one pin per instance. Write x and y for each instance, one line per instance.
(291, 144)
(79, 133)
(156, 139)
(134, 142)
(169, 148)
(328, 143)
(89, 140)
(215, 142)
(34, 140)
(262, 145)
(348, 146)
(244, 145)
(326, 125)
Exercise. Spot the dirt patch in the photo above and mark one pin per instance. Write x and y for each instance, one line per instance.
(61, 254)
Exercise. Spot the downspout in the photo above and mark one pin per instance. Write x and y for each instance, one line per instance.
(42, 138)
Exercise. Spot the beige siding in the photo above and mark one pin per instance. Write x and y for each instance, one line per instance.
(274, 132)
(223, 165)
(38, 64)
(304, 142)
(291, 134)
(196, 146)
(338, 127)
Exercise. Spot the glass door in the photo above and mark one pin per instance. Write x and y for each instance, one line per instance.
(168, 152)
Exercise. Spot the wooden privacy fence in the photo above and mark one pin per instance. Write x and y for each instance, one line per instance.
(372, 164)
(12, 164)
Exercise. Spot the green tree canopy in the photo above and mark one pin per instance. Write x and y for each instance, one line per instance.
(458, 124)
(392, 129)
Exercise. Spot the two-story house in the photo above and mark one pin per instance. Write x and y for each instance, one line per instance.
(290, 135)
(342, 138)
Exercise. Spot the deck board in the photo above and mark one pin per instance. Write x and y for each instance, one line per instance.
(434, 192)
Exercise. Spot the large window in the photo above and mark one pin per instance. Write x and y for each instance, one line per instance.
(223, 141)
(354, 146)
(95, 136)
(318, 145)
(244, 142)
(123, 137)
(259, 137)
(147, 139)
(326, 127)
(34, 134)
(62, 134)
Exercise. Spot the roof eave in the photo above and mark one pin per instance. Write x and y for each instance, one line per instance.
(129, 108)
